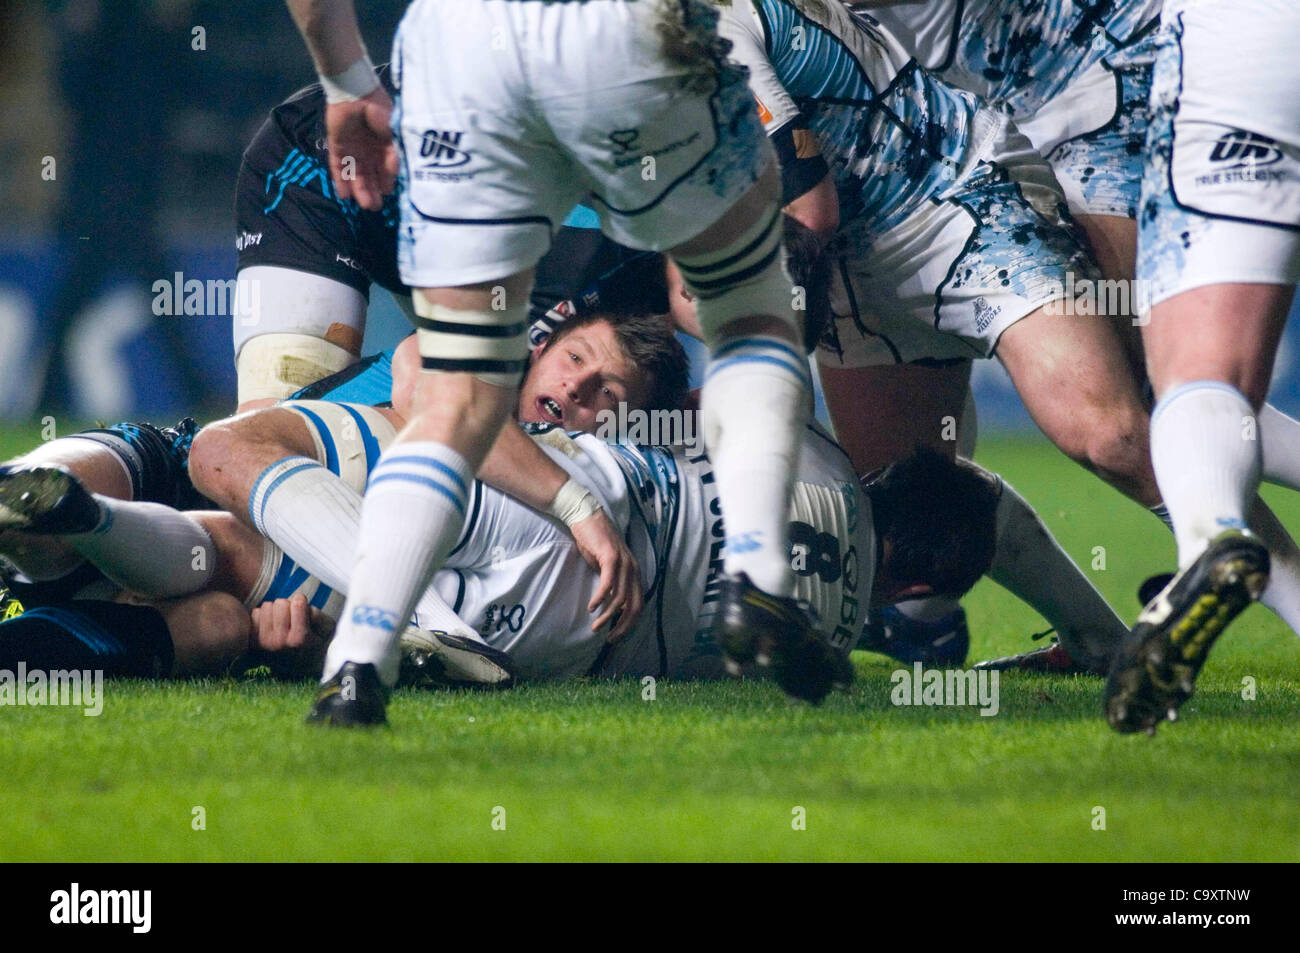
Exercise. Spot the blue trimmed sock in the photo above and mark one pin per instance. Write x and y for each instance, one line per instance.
(1206, 454)
(411, 516)
(755, 405)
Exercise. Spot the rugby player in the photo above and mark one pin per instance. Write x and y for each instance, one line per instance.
(664, 139)
(154, 548)
(955, 242)
(924, 525)
(314, 257)
(1219, 247)
(514, 586)
(950, 232)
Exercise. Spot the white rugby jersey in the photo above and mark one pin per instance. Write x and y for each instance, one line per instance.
(1020, 53)
(518, 579)
(893, 134)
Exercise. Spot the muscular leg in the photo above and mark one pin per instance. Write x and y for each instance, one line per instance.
(1073, 376)
(1210, 355)
(1114, 244)
(883, 413)
(416, 501)
(239, 552)
(1114, 240)
(228, 456)
(98, 468)
(756, 394)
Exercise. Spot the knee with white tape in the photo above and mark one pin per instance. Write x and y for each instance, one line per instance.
(491, 345)
(275, 366)
(746, 277)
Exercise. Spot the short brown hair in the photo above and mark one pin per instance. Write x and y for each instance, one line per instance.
(648, 342)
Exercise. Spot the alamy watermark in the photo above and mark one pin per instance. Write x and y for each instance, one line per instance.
(1101, 297)
(36, 687)
(234, 297)
(132, 908)
(653, 428)
(946, 687)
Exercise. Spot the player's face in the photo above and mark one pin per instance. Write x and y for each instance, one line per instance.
(577, 377)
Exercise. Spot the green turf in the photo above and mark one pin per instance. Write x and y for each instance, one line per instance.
(593, 771)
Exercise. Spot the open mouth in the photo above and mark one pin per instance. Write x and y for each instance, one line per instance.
(550, 409)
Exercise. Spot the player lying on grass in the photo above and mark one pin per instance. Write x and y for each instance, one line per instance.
(516, 583)
(955, 242)
(231, 454)
(710, 201)
(147, 539)
(314, 256)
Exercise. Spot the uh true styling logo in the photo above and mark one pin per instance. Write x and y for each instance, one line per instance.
(75, 906)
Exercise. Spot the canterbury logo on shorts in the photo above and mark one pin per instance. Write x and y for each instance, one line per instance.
(374, 617)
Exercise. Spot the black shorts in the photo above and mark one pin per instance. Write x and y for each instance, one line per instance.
(288, 215)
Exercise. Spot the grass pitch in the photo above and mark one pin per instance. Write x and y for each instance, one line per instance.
(587, 771)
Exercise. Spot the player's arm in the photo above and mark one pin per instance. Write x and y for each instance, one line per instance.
(330, 30)
(519, 468)
(816, 207)
(363, 161)
(807, 189)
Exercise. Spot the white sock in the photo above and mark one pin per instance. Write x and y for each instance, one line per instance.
(1031, 564)
(754, 406)
(1282, 595)
(433, 614)
(1279, 437)
(315, 517)
(1283, 592)
(1206, 455)
(413, 511)
(148, 548)
(311, 514)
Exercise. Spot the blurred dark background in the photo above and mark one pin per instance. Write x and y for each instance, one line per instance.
(122, 123)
